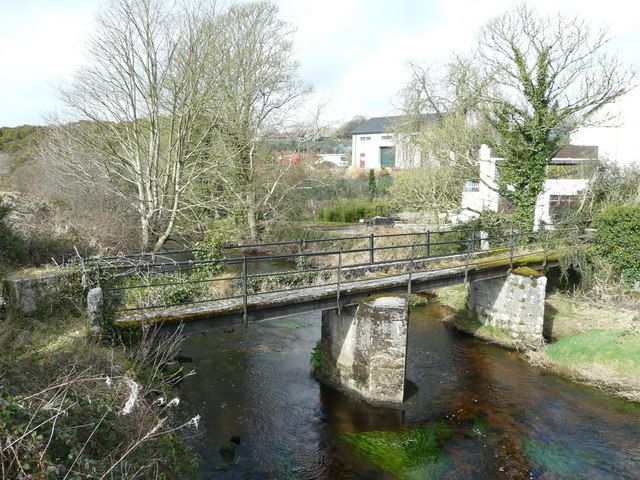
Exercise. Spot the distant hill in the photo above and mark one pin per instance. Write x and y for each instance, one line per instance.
(19, 144)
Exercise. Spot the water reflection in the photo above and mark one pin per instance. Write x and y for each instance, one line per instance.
(508, 419)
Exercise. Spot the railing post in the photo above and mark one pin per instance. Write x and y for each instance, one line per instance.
(413, 254)
(546, 249)
(427, 243)
(466, 269)
(512, 245)
(371, 248)
(339, 278)
(472, 244)
(245, 317)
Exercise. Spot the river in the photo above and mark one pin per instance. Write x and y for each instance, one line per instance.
(507, 419)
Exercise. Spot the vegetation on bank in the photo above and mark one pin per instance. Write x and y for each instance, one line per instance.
(20, 143)
(595, 343)
(73, 407)
(353, 210)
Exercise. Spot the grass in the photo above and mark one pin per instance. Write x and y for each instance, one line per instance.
(406, 455)
(454, 297)
(577, 314)
(617, 350)
(606, 359)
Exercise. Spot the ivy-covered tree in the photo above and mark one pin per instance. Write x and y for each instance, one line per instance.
(549, 76)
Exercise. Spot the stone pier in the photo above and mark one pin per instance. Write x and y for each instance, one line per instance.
(514, 303)
(364, 349)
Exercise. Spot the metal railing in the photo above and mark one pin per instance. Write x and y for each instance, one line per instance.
(149, 281)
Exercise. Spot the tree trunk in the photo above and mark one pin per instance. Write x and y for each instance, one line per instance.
(252, 224)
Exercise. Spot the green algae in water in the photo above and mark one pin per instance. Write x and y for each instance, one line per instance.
(565, 461)
(407, 454)
(478, 427)
(286, 469)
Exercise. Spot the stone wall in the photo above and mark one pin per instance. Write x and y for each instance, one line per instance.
(364, 349)
(43, 293)
(514, 303)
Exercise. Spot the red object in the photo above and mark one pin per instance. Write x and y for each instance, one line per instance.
(362, 160)
(296, 159)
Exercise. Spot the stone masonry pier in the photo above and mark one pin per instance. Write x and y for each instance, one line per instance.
(364, 349)
(514, 303)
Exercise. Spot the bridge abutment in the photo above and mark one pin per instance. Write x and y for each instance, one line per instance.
(514, 303)
(364, 349)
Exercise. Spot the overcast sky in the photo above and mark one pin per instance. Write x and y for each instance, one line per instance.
(354, 52)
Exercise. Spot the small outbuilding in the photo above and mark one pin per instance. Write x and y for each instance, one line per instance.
(376, 144)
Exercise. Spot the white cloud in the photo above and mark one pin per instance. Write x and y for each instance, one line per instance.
(354, 51)
(39, 48)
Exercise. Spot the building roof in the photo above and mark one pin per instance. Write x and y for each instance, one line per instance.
(385, 124)
(568, 154)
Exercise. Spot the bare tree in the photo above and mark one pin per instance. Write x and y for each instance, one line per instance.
(257, 90)
(448, 148)
(141, 110)
(549, 76)
(343, 130)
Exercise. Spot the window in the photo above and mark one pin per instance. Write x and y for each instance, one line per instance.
(568, 171)
(387, 137)
(505, 205)
(561, 207)
(365, 138)
(472, 186)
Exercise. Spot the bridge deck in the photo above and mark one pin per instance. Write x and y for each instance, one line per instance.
(306, 299)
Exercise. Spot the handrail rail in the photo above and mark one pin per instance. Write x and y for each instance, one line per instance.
(421, 259)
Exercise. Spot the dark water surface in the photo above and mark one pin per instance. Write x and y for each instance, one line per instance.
(509, 419)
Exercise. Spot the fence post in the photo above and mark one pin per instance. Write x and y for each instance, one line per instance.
(413, 254)
(427, 243)
(339, 278)
(244, 291)
(512, 245)
(371, 248)
(546, 249)
(472, 244)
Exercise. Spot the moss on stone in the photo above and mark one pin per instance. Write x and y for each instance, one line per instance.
(526, 272)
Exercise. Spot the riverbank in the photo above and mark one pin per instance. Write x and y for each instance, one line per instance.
(594, 343)
(73, 404)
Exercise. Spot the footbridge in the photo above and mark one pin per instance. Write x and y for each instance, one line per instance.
(363, 285)
(199, 290)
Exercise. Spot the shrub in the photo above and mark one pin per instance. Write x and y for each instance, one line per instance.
(618, 240)
(210, 249)
(352, 210)
(372, 184)
(12, 247)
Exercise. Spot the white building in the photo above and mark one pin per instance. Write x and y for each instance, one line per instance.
(566, 178)
(374, 145)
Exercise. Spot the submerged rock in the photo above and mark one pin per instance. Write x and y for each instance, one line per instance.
(228, 452)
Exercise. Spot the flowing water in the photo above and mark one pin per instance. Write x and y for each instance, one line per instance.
(507, 419)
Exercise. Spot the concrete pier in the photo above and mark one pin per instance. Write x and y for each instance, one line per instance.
(514, 303)
(364, 349)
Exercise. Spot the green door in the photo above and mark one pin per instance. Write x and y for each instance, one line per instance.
(387, 157)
